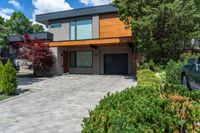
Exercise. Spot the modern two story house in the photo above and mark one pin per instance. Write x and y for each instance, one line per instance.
(89, 41)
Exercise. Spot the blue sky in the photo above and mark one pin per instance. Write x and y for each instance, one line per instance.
(32, 7)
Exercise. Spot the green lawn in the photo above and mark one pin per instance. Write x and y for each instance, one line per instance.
(4, 97)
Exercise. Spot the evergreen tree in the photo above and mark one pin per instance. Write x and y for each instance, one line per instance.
(8, 79)
(3, 34)
(1, 70)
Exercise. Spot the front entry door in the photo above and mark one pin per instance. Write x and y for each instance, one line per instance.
(65, 62)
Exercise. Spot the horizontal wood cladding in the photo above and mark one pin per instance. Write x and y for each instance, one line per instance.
(111, 26)
(95, 42)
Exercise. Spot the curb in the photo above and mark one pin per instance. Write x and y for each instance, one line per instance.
(19, 96)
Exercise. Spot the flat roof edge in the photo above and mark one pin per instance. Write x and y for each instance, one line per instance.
(44, 18)
(109, 5)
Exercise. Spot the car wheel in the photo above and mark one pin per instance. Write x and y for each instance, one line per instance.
(185, 81)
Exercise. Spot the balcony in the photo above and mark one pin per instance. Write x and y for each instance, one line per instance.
(42, 36)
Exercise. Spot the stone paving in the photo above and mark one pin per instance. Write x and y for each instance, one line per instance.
(58, 104)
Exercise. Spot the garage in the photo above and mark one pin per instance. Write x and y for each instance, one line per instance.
(116, 64)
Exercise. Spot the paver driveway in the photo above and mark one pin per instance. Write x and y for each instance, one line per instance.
(57, 104)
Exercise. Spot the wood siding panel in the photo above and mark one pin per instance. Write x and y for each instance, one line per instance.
(97, 42)
(111, 26)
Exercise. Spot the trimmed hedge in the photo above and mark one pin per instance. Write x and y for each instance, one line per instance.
(146, 108)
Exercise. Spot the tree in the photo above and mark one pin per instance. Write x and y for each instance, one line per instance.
(8, 79)
(18, 24)
(2, 20)
(161, 28)
(1, 70)
(36, 28)
(2, 32)
(37, 52)
(3, 35)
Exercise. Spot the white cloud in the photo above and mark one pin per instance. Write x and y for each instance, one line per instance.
(6, 12)
(15, 3)
(46, 6)
(95, 2)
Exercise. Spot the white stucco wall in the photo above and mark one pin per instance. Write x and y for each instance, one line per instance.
(61, 33)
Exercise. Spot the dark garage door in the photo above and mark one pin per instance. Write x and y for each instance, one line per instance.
(116, 64)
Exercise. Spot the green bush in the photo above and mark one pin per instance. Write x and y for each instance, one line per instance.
(1, 70)
(162, 76)
(145, 109)
(8, 79)
(173, 72)
(147, 77)
(185, 57)
(152, 66)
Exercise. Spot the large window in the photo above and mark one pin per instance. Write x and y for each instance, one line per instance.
(81, 59)
(81, 29)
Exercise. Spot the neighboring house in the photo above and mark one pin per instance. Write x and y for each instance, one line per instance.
(88, 41)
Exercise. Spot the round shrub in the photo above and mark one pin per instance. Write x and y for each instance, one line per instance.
(148, 77)
(145, 109)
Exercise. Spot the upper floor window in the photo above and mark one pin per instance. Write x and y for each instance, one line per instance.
(81, 29)
(55, 25)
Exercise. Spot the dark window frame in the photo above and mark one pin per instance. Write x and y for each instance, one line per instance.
(75, 32)
(75, 55)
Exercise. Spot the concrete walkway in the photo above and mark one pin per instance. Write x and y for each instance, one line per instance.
(57, 105)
